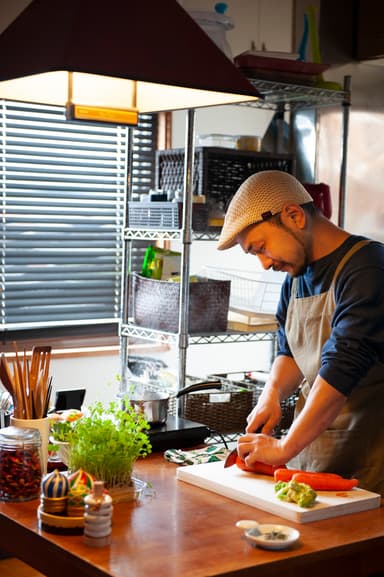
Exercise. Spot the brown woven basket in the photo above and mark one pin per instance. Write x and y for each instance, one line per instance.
(255, 388)
(223, 409)
(156, 304)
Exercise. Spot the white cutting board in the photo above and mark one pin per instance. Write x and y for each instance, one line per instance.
(258, 491)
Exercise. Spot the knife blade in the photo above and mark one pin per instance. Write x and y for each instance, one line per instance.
(230, 458)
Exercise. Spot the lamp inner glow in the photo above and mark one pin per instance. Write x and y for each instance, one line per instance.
(108, 92)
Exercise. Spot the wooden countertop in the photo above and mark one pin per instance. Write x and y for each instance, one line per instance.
(184, 531)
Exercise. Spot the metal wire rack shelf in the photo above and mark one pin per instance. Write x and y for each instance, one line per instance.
(232, 336)
(295, 97)
(174, 234)
(151, 234)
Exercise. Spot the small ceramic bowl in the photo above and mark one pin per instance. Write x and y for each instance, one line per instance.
(270, 536)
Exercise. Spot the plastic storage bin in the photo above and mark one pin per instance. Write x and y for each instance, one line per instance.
(165, 215)
(218, 171)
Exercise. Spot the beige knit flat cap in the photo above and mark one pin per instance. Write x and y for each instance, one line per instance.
(259, 197)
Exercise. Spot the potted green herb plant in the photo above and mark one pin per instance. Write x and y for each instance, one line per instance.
(106, 442)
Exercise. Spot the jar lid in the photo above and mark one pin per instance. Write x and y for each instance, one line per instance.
(17, 435)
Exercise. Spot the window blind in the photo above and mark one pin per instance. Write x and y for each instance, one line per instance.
(143, 174)
(63, 190)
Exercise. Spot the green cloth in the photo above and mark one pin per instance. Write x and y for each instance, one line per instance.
(197, 456)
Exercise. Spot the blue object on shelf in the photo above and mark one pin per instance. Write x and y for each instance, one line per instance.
(221, 7)
(302, 51)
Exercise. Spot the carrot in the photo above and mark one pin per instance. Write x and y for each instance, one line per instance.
(325, 481)
(286, 475)
(258, 467)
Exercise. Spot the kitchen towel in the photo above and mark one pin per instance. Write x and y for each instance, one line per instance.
(197, 456)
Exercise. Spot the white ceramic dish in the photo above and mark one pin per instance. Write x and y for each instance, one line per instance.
(271, 536)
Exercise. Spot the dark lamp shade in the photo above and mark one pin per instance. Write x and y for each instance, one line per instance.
(145, 56)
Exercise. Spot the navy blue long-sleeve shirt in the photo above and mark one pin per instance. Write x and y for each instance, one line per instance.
(356, 342)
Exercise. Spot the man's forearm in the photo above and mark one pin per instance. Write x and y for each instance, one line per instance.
(285, 376)
(322, 406)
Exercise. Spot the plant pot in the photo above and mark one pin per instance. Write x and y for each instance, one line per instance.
(126, 493)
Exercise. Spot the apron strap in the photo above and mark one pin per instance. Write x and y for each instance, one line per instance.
(339, 267)
(346, 257)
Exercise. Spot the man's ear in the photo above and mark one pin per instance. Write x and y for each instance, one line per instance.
(294, 213)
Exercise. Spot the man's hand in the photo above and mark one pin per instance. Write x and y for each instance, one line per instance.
(284, 379)
(321, 408)
(263, 448)
(266, 414)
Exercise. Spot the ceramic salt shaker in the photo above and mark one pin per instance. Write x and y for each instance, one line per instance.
(98, 516)
(54, 493)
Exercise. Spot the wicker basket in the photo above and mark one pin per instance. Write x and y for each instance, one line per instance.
(218, 172)
(223, 410)
(155, 304)
(255, 385)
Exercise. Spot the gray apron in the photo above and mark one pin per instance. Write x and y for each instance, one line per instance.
(353, 445)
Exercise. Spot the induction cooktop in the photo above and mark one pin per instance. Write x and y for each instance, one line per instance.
(177, 433)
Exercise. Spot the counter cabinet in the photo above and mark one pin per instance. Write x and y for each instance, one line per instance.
(190, 532)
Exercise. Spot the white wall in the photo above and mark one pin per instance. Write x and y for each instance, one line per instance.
(257, 21)
(97, 374)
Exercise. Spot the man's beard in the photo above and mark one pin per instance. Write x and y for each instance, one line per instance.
(305, 263)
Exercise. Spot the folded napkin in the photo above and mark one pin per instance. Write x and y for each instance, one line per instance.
(197, 456)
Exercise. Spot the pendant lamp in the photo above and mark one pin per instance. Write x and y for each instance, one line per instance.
(111, 60)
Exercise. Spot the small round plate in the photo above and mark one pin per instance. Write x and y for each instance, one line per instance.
(270, 536)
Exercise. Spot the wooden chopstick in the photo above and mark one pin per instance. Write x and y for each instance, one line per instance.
(29, 383)
(48, 397)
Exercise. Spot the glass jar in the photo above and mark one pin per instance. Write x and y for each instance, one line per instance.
(216, 26)
(20, 464)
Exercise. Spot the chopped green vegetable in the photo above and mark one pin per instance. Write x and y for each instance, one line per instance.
(275, 535)
(293, 492)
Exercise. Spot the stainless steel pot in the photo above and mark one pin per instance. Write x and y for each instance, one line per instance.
(153, 406)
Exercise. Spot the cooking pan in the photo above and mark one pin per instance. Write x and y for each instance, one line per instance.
(154, 405)
(201, 386)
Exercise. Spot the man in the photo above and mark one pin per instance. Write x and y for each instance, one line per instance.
(330, 333)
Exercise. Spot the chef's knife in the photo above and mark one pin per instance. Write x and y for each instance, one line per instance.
(232, 456)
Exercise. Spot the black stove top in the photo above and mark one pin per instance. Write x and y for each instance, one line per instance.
(177, 433)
